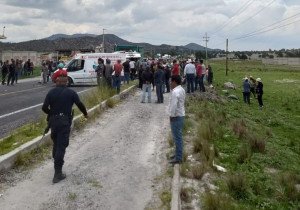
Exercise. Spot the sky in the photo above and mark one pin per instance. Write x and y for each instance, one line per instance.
(248, 24)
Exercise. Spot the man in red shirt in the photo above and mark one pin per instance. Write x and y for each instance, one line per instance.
(117, 75)
(176, 68)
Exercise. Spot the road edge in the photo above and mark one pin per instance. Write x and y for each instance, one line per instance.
(7, 160)
(176, 202)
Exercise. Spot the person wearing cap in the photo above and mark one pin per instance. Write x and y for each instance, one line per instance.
(58, 72)
(246, 90)
(259, 92)
(58, 106)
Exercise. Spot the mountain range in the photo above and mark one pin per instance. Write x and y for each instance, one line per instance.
(88, 42)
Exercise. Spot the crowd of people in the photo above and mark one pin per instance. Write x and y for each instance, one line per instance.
(13, 69)
(154, 73)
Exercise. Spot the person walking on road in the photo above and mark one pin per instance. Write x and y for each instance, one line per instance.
(147, 78)
(177, 113)
(58, 106)
(4, 71)
(12, 72)
(159, 80)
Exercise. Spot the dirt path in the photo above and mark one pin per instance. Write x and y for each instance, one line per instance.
(111, 164)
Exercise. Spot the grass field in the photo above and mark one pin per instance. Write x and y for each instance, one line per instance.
(259, 148)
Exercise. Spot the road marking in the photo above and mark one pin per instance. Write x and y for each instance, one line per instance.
(5, 94)
(31, 107)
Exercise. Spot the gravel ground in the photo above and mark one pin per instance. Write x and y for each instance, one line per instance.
(110, 164)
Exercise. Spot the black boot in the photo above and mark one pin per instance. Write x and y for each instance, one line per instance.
(58, 176)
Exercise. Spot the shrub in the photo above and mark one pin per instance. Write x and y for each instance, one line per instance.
(237, 186)
(185, 195)
(244, 154)
(111, 103)
(239, 128)
(256, 144)
(198, 171)
(217, 201)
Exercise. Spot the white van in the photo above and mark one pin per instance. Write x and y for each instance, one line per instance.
(81, 69)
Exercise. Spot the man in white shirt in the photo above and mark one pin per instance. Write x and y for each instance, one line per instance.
(132, 69)
(177, 113)
(190, 74)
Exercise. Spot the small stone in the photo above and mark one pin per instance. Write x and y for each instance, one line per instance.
(234, 97)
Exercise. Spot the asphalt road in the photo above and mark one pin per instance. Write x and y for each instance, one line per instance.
(21, 103)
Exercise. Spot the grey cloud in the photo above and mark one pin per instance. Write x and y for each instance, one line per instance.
(41, 4)
(142, 13)
(117, 5)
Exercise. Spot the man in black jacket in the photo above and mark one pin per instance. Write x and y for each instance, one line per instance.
(147, 78)
(4, 71)
(58, 105)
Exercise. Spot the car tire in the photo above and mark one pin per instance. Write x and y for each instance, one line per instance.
(70, 81)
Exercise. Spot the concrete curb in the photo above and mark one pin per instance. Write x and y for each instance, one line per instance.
(7, 160)
(176, 202)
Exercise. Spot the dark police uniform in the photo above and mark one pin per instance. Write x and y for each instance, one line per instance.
(58, 105)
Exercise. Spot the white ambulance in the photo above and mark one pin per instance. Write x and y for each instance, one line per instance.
(81, 69)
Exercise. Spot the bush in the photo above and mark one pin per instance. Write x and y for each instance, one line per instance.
(244, 154)
(198, 171)
(239, 128)
(217, 201)
(237, 186)
(256, 144)
(185, 195)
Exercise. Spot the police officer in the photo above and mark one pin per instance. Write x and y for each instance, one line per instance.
(58, 105)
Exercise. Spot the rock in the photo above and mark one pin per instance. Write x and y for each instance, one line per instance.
(297, 187)
(229, 85)
(226, 92)
(233, 97)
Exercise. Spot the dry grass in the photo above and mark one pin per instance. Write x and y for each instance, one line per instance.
(257, 144)
(198, 171)
(217, 201)
(244, 154)
(237, 186)
(239, 128)
(185, 195)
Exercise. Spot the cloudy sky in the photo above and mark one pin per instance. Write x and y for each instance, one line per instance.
(248, 24)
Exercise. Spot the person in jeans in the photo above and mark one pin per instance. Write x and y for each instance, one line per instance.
(117, 75)
(177, 113)
(190, 73)
(159, 80)
(246, 91)
(126, 68)
(147, 78)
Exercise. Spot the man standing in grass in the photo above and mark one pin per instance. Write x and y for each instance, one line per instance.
(177, 113)
(58, 105)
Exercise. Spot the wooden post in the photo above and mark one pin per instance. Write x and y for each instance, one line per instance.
(226, 57)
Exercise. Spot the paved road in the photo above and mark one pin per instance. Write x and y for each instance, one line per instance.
(111, 164)
(21, 103)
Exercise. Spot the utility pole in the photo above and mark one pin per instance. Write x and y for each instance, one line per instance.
(206, 39)
(226, 56)
(103, 45)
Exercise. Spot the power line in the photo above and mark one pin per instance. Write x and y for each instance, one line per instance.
(254, 32)
(271, 2)
(238, 12)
